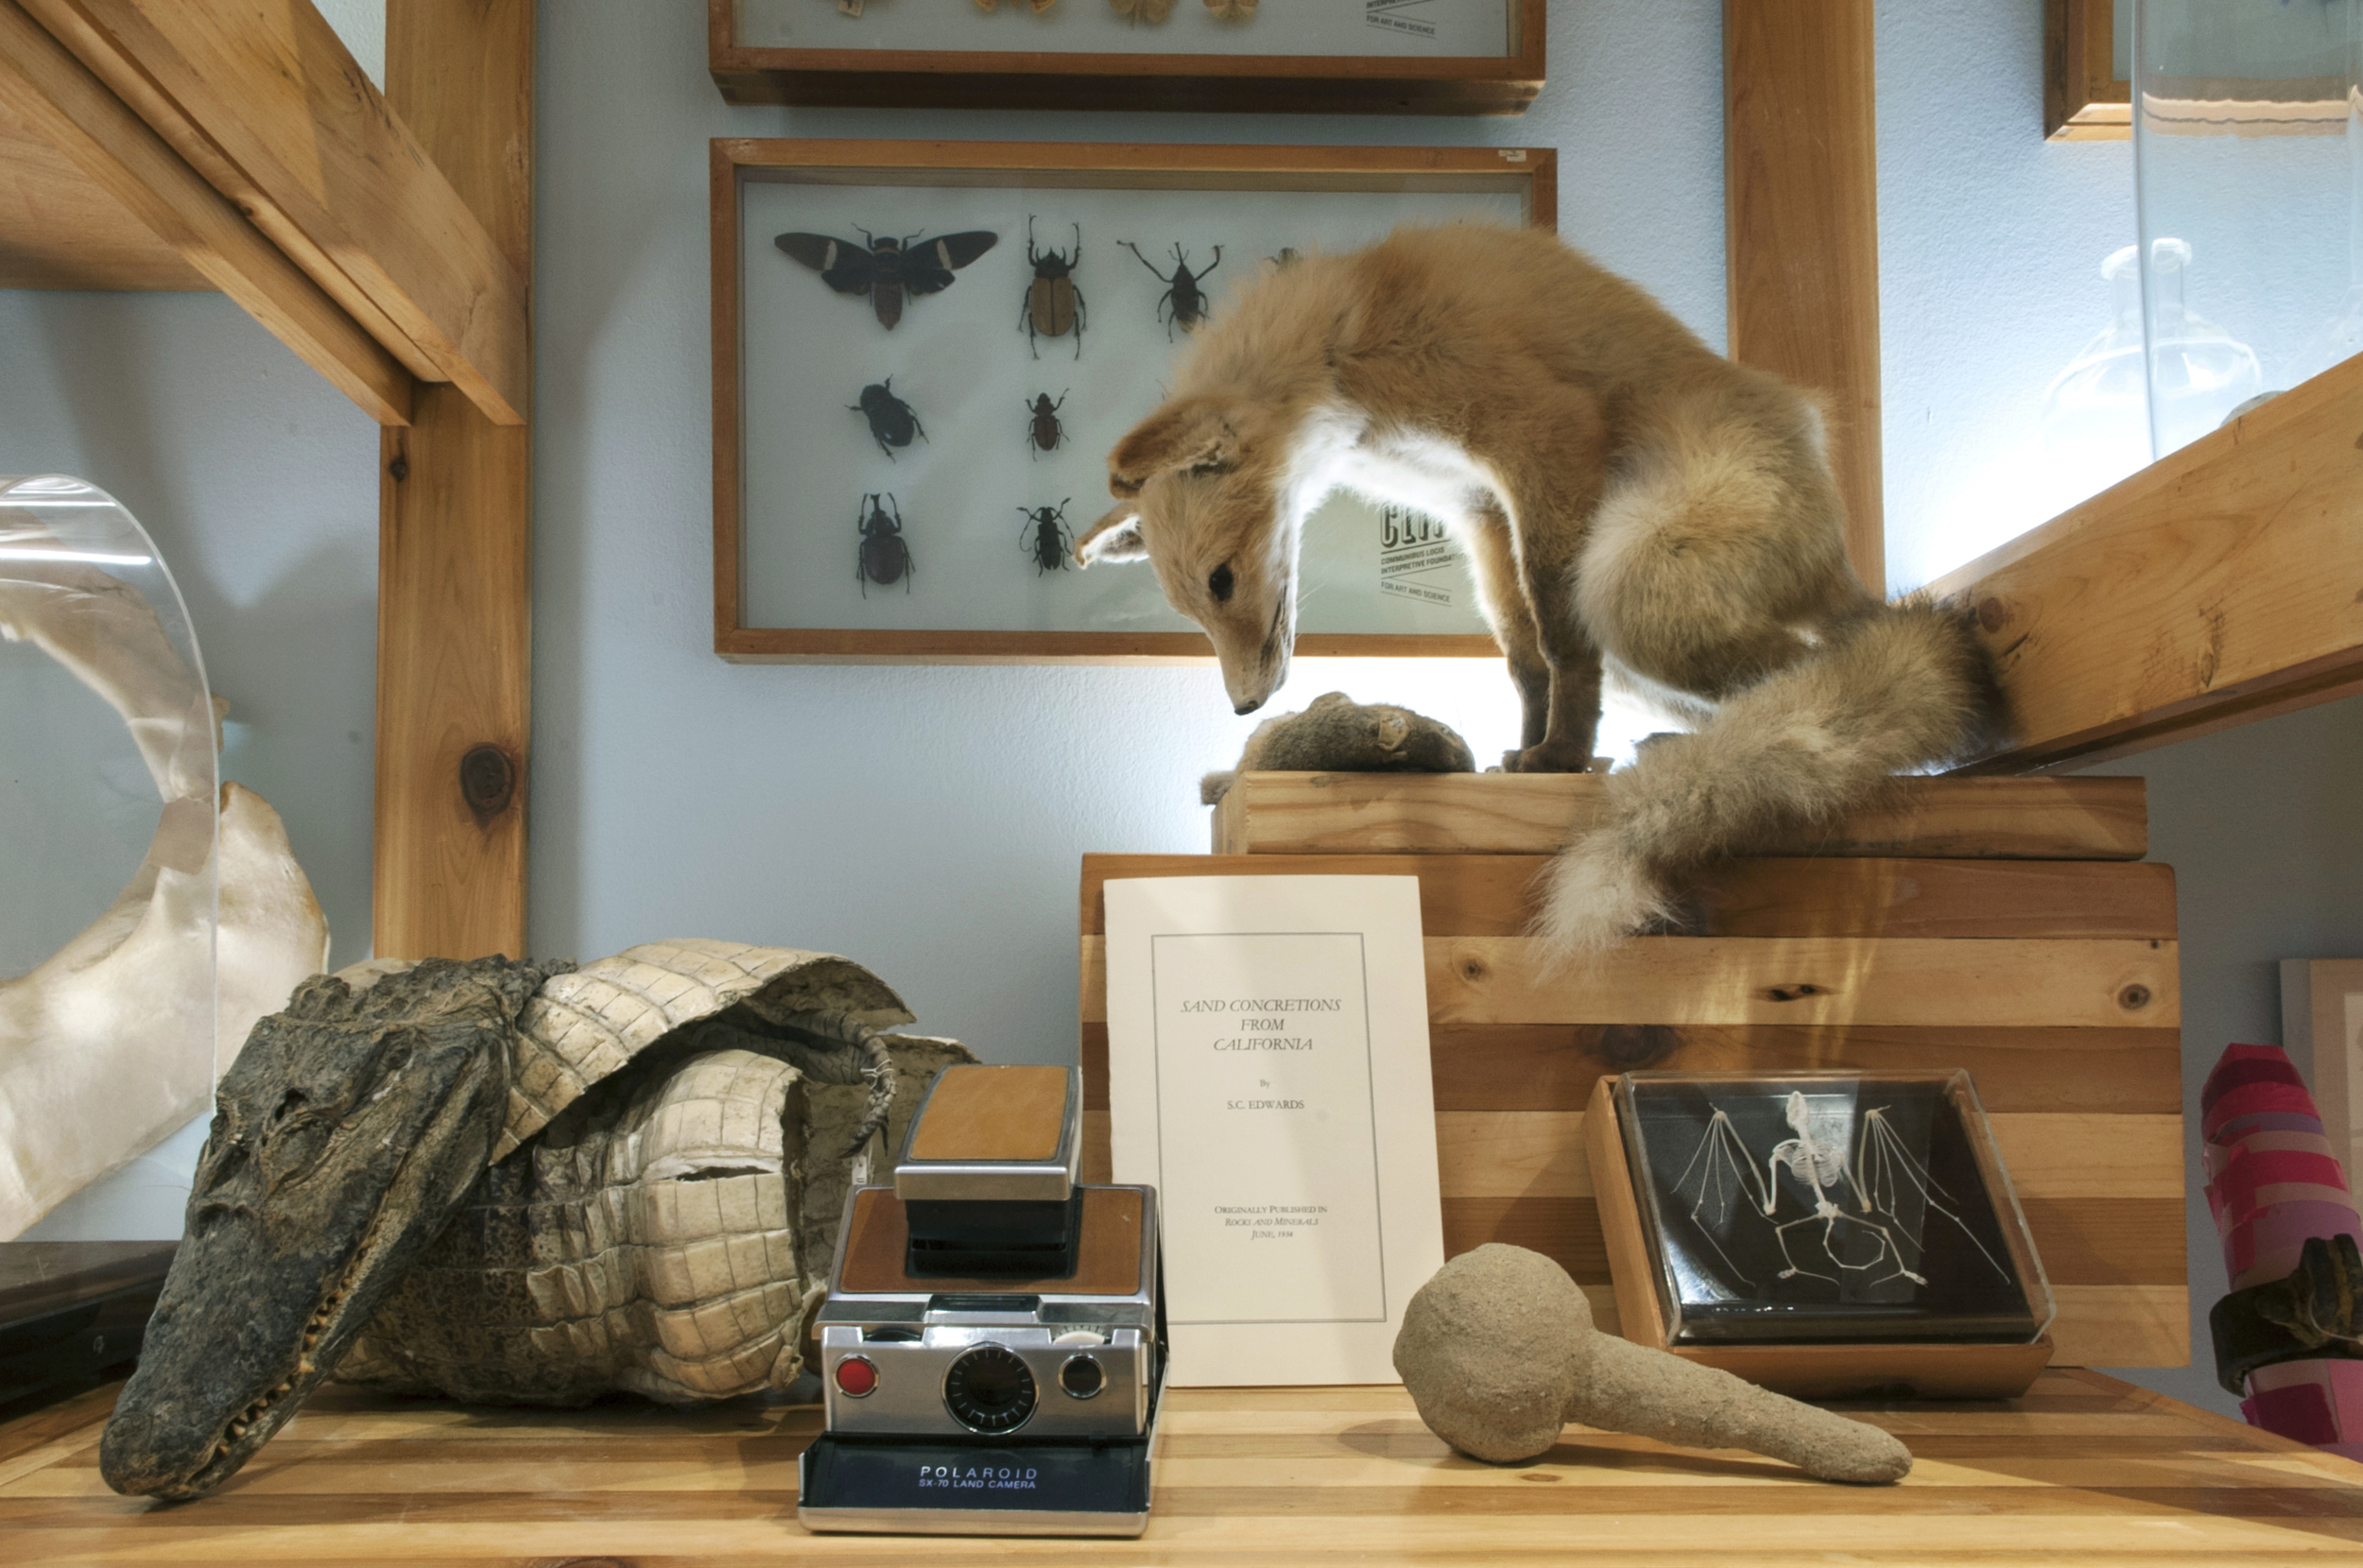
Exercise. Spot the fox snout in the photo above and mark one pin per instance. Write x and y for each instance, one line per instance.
(1251, 678)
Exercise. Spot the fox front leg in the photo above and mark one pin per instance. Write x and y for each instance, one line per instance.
(1571, 720)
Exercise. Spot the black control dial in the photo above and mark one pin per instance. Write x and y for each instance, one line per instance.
(1082, 1377)
(990, 1389)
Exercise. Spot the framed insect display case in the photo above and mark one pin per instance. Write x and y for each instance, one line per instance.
(1322, 57)
(924, 350)
(1823, 1233)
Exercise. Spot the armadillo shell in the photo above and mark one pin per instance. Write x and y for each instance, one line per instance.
(670, 1235)
(584, 1026)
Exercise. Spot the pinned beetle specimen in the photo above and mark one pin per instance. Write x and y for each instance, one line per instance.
(1045, 538)
(1043, 430)
(1184, 302)
(1150, 12)
(1232, 10)
(1052, 305)
(892, 421)
(884, 557)
(886, 268)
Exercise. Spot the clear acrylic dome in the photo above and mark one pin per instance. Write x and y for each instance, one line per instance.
(109, 784)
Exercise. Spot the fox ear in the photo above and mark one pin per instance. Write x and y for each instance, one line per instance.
(1114, 537)
(1195, 434)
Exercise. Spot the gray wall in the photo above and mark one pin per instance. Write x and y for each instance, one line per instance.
(929, 821)
(2264, 828)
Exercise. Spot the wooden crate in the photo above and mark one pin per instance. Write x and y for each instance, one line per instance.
(2005, 929)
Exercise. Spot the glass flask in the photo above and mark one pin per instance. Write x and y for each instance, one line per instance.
(109, 783)
(2198, 374)
(2096, 412)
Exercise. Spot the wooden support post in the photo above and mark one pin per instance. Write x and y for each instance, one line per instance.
(1801, 226)
(454, 521)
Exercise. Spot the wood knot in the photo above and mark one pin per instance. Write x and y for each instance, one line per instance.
(1472, 970)
(399, 469)
(1627, 1048)
(1993, 614)
(488, 782)
(2134, 998)
(1792, 993)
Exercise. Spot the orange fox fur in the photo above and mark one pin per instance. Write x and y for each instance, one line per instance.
(1629, 501)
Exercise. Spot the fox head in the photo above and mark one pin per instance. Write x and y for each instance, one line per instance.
(1206, 499)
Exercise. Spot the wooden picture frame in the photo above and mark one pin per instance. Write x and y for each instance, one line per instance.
(1207, 83)
(2321, 1015)
(2083, 97)
(1930, 1370)
(751, 479)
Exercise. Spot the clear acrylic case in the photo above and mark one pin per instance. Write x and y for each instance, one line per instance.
(1828, 1207)
(2247, 126)
(109, 786)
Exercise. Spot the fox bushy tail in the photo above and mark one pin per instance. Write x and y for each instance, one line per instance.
(1891, 687)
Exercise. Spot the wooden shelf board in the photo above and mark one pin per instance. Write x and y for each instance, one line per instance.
(2215, 587)
(2084, 1467)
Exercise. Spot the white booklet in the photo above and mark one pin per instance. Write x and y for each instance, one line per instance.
(1268, 1074)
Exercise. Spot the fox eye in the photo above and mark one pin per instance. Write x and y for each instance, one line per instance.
(1220, 584)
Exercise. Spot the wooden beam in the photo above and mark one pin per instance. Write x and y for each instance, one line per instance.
(1802, 227)
(455, 578)
(2221, 585)
(60, 228)
(267, 103)
(51, 94)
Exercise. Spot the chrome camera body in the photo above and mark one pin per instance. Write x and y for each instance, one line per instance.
(993, 1347)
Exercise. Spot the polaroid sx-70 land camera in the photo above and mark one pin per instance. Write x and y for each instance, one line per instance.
(993, 1346)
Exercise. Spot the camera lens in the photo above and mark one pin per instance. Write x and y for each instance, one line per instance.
(990, 1389)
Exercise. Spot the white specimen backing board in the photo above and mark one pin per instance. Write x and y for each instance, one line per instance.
(1267, 1072)
(962, 361)
(1462, 28)
(2321, 1014)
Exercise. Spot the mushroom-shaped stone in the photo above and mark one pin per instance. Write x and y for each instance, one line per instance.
(1498, 1351)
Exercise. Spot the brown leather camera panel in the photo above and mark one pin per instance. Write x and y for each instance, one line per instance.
(993, 1113)
(1109, 1260)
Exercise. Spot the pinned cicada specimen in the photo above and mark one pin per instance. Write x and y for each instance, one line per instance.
(1232, 10)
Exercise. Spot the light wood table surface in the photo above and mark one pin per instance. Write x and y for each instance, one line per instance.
(2085, 1469)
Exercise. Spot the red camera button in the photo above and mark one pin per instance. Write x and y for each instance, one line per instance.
(856, 1376)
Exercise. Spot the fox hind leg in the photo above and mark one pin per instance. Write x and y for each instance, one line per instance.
(1553, 485)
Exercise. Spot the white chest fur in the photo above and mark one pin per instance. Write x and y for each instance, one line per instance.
(1405, 468)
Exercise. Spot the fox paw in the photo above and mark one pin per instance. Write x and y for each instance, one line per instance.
(1552, 756)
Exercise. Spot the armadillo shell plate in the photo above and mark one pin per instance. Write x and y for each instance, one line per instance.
(582, 1026)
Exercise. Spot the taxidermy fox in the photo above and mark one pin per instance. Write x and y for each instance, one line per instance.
(1629, 500)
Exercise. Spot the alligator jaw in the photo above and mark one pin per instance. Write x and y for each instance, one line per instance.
(351, 1127)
